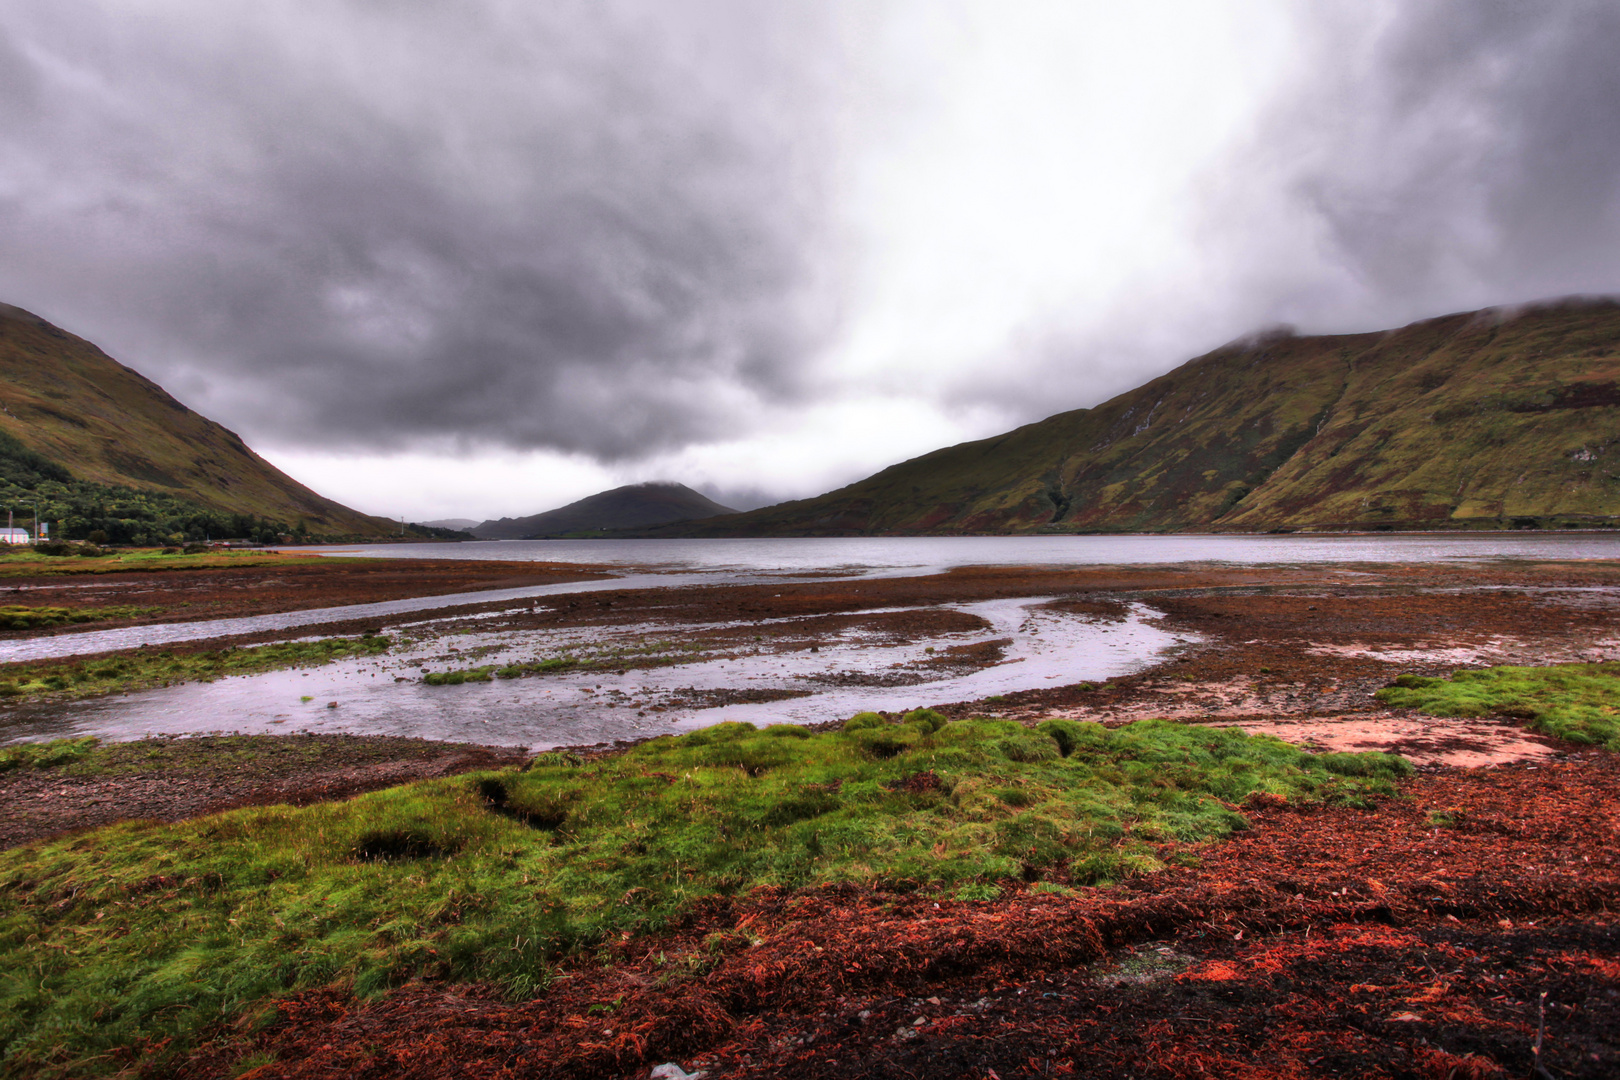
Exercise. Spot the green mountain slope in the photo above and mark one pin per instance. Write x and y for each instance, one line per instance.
(1483, 420)
(628, 507)
(109, 433)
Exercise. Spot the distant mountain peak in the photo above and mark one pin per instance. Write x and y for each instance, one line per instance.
(632, 506)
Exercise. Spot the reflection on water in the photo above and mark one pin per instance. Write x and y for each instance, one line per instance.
(849, 671)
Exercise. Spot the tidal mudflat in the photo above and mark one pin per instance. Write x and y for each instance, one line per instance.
(1393, 920)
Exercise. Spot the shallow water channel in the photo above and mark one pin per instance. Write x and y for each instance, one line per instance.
(647, 678)
(656, 677)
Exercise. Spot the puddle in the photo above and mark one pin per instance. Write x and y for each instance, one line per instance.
(859, 667)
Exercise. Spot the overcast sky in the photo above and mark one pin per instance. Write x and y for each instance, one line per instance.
(482, 257)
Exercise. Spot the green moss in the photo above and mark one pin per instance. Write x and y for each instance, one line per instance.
(142, 932)
(1578, 702)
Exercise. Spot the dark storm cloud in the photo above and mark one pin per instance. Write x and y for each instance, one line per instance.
(590, 226)
(1464, 152)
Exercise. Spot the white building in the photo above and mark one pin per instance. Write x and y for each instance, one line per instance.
(15, 536)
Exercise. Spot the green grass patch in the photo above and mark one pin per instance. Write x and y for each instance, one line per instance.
(653, 654)
(146, 668)
(21, 617)
(1578, 702)
(46, 755)
(140, 932)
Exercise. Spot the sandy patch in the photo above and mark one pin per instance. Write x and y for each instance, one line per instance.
(1424, 740)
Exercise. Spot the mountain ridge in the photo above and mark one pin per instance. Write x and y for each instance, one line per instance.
(628, 507)
(1506, 417)
(105, 424)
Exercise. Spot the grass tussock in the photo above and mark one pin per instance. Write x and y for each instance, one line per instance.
(142, 669)
(140, 933)
(1578, 702)
(22, 617)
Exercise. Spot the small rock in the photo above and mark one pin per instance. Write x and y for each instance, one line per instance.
(671, 1071)
(331, 704)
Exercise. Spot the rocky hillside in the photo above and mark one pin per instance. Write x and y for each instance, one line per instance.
(1494, 419)
(630, 507)
(81, 418)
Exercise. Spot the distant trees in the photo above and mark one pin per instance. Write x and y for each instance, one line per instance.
(105, 514)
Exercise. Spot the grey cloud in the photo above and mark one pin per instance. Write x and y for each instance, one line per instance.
(1467, 152)
(586, 226)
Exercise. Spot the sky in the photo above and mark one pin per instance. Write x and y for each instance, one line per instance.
(479, 258)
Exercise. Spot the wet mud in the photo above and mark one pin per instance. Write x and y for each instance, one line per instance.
(297, 583)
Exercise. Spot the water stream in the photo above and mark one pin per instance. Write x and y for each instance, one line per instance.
(849, 671)
(859, 669)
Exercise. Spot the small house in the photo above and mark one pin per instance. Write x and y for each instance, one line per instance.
(15, 536)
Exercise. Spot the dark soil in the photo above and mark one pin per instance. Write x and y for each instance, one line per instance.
(174, 779)
(1323, 942)
(297, 583)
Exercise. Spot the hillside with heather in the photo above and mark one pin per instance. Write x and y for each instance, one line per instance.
(1504, 418)
(97, 445)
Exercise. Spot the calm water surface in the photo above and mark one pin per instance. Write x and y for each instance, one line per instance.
(890, 556)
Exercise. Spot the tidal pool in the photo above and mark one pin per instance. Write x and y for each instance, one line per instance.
(1018, 644)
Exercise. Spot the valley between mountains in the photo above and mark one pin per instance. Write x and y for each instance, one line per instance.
(1299, 818)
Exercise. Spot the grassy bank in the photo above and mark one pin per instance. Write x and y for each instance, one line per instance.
(140, 933)
(145, 668)
(1578, 702)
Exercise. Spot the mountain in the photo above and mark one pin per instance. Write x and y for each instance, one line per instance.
(630, 507)
(73, 417)
(453, 524)
(1500, 418)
